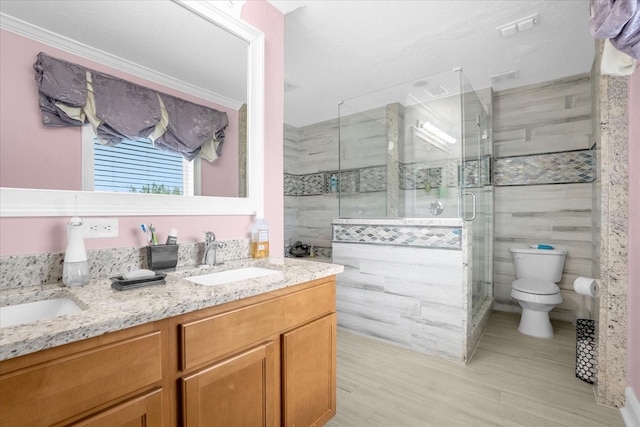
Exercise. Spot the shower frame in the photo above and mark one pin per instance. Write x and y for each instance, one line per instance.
(454, 176)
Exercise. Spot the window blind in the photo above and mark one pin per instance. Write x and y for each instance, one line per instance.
(138, 167)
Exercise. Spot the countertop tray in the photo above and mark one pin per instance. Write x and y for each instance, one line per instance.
(119, 284)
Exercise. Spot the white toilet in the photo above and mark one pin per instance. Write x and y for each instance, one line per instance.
(535, 289)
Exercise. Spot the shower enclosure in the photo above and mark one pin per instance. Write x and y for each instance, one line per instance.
(415, 226)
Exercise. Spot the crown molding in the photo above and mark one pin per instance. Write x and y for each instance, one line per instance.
(66, 44)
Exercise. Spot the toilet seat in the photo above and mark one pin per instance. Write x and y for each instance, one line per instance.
(536, 291)
(535, 286)
(547, 299)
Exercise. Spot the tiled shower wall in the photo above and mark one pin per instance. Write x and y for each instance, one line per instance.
(309, 152)
(543, 174)
(543, 169)
(311, 159)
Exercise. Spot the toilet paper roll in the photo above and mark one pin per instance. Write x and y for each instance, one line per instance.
(585, 286)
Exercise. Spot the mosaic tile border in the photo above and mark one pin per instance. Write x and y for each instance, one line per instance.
(555, 168)
(371, 179)
(438, 237)
(347, 180)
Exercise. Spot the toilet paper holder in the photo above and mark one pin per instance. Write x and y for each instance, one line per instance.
(586, 286)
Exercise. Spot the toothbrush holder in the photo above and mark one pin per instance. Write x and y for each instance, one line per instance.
(162, 256)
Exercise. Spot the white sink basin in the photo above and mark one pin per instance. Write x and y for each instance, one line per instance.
(20, 314)
(230, 276)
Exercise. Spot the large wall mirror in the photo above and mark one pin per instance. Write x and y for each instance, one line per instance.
(190, 47)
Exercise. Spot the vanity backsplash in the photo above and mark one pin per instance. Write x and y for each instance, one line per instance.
(17, 271)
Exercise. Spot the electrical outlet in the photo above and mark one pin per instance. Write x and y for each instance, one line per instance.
(100, 227)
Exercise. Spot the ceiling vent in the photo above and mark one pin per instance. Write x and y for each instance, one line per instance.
(436, 91)
(518, 26)
(496, 79)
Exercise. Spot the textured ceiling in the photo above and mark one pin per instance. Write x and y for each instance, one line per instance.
(335, 50)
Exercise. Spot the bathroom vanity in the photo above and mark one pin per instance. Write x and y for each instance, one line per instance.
(266, 356)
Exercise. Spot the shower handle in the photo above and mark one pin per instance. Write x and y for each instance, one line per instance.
(473, 205)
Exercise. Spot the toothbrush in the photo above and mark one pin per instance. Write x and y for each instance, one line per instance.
(146, 234)
(154, 240)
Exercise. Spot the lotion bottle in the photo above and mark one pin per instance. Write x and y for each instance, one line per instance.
(333, 185)
(260, 239)
(75, 270)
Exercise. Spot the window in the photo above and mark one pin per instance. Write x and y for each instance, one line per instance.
(135, 167)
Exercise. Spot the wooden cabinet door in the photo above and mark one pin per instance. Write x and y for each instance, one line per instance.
(239, 391)
(144, 411)
(70, 386)
(309, 373)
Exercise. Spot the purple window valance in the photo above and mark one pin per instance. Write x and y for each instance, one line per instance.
(72, 95)
(618, 21)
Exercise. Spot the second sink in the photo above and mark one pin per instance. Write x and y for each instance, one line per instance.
(20, 314)
(230, 276)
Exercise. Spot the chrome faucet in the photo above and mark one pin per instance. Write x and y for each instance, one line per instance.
(210, 249)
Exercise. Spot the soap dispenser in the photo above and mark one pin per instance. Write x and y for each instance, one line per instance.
(260, 239)
(75, 270)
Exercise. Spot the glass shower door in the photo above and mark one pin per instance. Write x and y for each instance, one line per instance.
(476, 196)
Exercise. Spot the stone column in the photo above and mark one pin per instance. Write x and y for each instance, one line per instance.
(611, 144)
(395, 119)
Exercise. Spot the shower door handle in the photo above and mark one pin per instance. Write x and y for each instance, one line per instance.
(473, 205)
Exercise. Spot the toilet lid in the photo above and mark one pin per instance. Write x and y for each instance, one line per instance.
(536, 286)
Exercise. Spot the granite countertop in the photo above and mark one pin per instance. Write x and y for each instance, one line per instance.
(107, 310)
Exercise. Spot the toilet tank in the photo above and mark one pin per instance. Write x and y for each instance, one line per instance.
(544, 264)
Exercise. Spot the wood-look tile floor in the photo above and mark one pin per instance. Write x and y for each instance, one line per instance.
(512, 380)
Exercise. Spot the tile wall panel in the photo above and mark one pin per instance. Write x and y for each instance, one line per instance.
(313, 219)
(292, 150)
(291, 225)
(559, 215)
(549, 117)
(543, 169)
(318, 147)
(363, 139)
(408, 296)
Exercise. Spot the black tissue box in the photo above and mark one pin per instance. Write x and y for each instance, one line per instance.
(162, 256)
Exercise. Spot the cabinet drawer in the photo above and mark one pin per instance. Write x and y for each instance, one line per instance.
(53, 391)
(141, 411)
(209, 338)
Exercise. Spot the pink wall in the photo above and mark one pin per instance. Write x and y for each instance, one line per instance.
(271, 21)
(22, 133)
(42, 235)
(633, 308)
